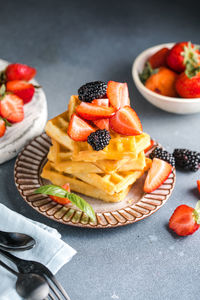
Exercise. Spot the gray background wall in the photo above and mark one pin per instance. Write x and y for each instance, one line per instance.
(73, 42)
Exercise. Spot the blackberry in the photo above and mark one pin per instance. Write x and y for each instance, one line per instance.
(187, 159)
(164, 155)
(99, 139)
(92, 90)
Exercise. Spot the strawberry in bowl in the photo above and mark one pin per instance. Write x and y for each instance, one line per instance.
(167, 76)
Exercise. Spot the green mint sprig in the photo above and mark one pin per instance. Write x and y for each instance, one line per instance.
(58, 191)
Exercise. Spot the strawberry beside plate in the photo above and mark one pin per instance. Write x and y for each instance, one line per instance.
(33, 124)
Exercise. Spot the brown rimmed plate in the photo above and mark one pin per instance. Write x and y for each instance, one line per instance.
(136, 206)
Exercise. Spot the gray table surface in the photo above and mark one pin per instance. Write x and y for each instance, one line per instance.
(73, 42)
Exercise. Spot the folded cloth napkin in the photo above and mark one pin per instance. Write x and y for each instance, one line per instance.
(49, 250)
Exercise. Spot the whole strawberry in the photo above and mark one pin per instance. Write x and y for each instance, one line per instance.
(185, 220)
(176, 59)
(188, 87)
(188, 83)
(19, 72)
(24, 90)
(158, 59)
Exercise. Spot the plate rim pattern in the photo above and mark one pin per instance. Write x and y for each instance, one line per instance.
(26, 174)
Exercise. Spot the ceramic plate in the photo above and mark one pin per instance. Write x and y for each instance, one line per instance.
(20, 134)
(136, 206)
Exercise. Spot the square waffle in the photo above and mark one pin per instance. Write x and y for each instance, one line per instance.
(119, 147)
(56, 128)
(61, 156)
(109, 183)
(107, 174)
(80, 186)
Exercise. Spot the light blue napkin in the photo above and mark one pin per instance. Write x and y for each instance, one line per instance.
(49, 250)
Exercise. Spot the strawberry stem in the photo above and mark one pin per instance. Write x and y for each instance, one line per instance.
(191, 60)
(147, 72)
(2, 77)
(196, 212)
(8, 124)
(2, 90)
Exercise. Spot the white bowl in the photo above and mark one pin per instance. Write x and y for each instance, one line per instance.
(170, 104)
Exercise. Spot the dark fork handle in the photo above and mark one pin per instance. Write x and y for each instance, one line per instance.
(27, 266)
(8, 268)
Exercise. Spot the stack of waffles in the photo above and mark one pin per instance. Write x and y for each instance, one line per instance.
(107, 174)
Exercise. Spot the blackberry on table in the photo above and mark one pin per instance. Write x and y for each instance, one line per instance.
(187, 159)
(92, 90)
(164, 155)
(99, 139)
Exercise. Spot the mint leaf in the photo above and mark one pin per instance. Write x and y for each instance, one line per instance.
(58, 191)
(197, 212)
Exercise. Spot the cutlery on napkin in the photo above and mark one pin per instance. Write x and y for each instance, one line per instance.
(50, 250)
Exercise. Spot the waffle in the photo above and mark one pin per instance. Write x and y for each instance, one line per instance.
(109, 183)
(57, 130)
(80, 186)
(62, 157)
(107, 174)
(58, 153)
(73, 103)
(120, 147)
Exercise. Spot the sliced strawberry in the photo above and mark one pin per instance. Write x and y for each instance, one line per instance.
(149, 147)
(158, 59)
(12, 108)
(102, 123)
(183, 220)
(126, 122)
(60, 200)
(157, 174)
(2, 127)
(90, 111)
(101, 102)
(78, 129)
(118, 94)
(198, 185)
(19, 72)
(22, 89)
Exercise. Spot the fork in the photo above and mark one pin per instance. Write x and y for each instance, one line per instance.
(28, 266)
